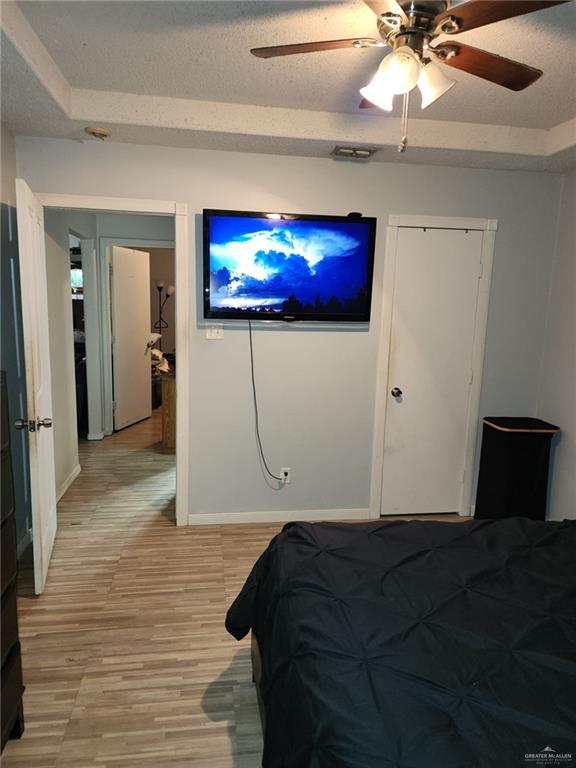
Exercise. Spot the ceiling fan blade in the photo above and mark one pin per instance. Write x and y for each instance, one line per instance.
(489, 66)
(323, 45)
(380, 7)
(477, 13)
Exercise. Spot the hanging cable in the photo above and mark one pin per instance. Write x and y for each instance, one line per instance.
(256, 415)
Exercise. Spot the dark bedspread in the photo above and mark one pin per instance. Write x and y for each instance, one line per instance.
(416, 644)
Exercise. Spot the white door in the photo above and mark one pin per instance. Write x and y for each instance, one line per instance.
(436, 283)
(33, 287)
(130, 306)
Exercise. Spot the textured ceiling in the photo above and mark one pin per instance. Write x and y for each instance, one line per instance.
(180, 74)
(200, 50)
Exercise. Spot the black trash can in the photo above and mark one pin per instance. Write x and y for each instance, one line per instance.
(513, 478)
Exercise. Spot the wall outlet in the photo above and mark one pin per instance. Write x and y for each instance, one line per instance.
(215, 332)
(286, 475)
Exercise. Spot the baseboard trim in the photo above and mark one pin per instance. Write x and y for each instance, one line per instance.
(278, 516)
(95, 436)
(68, 482)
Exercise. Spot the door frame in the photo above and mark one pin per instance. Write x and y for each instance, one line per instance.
(182, 283)
(104, 244)
(488, 227)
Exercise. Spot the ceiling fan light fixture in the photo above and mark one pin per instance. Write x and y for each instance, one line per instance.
(400, 70)
(433, 83)
(398, 73)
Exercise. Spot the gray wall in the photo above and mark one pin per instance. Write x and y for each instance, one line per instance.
(557, 395)
(137, 226)
(317, 387)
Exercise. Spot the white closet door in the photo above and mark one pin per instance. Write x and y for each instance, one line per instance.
(433, 320)
(130, 304)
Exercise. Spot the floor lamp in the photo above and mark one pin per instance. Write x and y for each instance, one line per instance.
(163, 296)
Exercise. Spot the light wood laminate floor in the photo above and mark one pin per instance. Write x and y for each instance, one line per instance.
(126, 660)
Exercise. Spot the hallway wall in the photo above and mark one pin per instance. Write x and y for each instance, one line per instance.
(66, 461)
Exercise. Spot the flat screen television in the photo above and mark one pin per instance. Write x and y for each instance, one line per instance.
(274, 266)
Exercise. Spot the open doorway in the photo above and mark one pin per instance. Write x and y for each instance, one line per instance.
(142, 306)
(42, 335)
(108, 367)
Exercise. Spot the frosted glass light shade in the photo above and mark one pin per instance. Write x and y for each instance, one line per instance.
(398, 73)
(377, 94)
(170, 290)
(433, 83)
(400, 70)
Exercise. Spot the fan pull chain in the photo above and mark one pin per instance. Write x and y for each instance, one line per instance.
(404, 141)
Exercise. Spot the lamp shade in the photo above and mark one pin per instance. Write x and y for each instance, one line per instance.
(376, 93)
(433, 83)
(397, 73)
(170, 290)
(400, 70)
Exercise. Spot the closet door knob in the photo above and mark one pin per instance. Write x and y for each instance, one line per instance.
(47, 423)
(396, 392)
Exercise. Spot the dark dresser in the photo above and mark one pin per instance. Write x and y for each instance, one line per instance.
(12, 716)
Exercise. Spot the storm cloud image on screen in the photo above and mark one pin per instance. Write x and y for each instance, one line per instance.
(269, 266)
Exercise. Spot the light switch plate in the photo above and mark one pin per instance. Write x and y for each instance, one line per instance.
(215, 332)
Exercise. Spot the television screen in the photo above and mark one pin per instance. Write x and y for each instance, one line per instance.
(287, 267)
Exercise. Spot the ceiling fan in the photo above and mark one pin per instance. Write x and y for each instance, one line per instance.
(409, 28)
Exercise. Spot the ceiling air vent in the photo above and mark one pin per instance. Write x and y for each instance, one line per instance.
(352, 153)
(98, 132)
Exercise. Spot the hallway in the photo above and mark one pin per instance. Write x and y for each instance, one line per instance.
(126, 659)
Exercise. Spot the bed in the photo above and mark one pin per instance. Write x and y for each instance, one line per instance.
(415, 644)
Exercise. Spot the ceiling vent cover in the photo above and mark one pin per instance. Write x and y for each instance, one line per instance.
(98, 132)
(353, 153)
